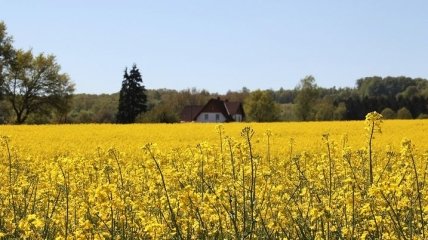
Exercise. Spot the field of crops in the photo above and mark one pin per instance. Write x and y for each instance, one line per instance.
(317, 180)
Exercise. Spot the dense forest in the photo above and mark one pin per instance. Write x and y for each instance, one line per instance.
(394, 97)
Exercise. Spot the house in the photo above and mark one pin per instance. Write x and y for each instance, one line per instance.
(216, 110)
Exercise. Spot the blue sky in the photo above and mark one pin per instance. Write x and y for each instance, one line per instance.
(224, 45)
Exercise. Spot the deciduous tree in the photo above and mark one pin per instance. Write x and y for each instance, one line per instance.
(6, 53)
(262, 106)
(307, 94)
(34, 84)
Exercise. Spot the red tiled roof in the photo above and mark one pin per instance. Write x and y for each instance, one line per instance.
(234, 107)
(191, 113)
(216, 105)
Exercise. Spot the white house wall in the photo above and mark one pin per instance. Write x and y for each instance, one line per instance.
(210, 117)
(237, 117)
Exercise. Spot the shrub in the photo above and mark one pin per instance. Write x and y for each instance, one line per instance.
(423, 116)
(388, 113)
(404, 113)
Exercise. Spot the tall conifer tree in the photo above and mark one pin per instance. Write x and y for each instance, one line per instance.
(132, 97)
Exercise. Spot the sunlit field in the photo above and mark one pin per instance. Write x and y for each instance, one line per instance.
(86, 138)
(315, 180)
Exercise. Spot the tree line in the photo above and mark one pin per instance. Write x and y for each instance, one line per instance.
(393, 97)
(34, 90)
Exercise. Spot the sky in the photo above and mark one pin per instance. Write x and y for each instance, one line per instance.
(222, 45)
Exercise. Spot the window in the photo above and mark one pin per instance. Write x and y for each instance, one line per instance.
(217, 117)
(206, 116)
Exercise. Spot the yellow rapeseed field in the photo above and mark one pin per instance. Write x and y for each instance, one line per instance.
(316, 180)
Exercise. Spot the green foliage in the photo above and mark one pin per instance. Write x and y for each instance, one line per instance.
(388, 86)
(237, 96)
(6, 53)
(160, 114)
(132, 97)
(287, 112)
(307, 94)
(409, 93)
(339, 112)
(5, 112)
(404, 113)
(165, 105)
(87, 108)
(325, 110)
(284, 96)
(34, 84)
(423, 116)
(388, 113)
(261, 106)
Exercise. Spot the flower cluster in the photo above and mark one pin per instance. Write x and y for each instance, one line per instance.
(259, 183)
